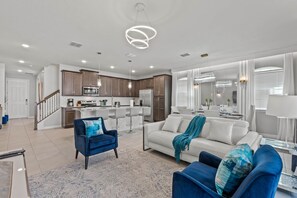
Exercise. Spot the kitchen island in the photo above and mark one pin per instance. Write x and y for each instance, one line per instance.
(124, 123)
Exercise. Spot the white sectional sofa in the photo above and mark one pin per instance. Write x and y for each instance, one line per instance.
(159, 140)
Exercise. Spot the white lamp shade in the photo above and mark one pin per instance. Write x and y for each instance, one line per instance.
(282, 106)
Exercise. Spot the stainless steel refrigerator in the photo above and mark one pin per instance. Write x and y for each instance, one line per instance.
(146, 96)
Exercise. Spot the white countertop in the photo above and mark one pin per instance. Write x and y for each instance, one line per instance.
(110, 108)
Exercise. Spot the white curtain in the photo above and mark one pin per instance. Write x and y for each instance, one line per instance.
(190, 90)
(197, 91)
(174, 89)
(246, 93)
(286, 127)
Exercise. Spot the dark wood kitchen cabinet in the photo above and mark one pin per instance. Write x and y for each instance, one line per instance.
(162, 97)
(146, 83)
(135, 88)
(68, 116)
(71, 83)
(116, 87)
(89, 78)
(106, 86)
(124, 90)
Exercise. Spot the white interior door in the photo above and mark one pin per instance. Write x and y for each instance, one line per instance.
(17, 97)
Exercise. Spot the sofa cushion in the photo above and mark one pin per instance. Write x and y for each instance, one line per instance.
(101, 140)
(163, 138)
(202, 173)
(235, 166)
(220, 131)
(172, 123)
(201, 144)
(183, 125)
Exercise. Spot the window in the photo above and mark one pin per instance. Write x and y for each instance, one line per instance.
(267, 83)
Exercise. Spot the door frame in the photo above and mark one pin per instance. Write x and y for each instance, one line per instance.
(28, 93)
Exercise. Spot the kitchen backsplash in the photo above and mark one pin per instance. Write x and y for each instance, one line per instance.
(122, 100)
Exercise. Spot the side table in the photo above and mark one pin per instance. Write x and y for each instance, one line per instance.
(287, 181)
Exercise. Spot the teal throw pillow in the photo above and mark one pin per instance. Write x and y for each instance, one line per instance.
(235, 166)
(93, 127)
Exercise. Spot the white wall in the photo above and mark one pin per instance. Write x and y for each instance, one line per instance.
(2, 88)
(32, 88)
(51, 79)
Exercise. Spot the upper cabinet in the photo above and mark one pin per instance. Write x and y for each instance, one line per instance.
(159, 85)
(135, 88)
(89, 78)
(116, 87)
(146, 83)
(71, 83)
(106, 86)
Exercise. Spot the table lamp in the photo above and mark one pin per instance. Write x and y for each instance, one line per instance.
(283, 106)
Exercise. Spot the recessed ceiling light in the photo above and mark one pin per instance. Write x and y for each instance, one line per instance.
(30, 65)
(112, 67)
(151, 66)
(25, 45)
(133, 71)
(21, 61)
(19, 70)
(83, 61)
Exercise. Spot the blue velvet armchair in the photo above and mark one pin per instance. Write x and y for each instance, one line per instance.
(198, 179)
(96, 144)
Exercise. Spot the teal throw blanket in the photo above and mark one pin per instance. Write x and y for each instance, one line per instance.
(182, 141)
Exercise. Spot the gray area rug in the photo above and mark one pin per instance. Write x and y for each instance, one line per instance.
(134, 174)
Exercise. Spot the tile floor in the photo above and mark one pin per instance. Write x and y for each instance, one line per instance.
(53, 148)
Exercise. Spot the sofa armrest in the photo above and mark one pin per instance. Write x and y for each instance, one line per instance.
(81, 143)
(112, 133)
(209, 159)
(185, 186)
(252, 138)
(148, 128)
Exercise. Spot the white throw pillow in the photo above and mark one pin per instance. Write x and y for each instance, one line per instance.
(220, 131)
(172, 124)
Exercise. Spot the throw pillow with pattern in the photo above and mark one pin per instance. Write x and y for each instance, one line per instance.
(93, 127)
(233, 169)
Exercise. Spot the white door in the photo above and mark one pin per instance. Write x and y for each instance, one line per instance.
(17, 91)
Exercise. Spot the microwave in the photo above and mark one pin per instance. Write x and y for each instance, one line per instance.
(91, 91)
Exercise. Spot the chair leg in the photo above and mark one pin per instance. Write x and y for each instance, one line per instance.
(76, 154)
(116, 153)
(86, 162)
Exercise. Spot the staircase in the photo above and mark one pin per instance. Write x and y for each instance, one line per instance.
(45, 108)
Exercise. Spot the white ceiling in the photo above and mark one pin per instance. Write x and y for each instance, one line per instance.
(226, 30)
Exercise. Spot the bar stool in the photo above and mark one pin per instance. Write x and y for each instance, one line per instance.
(145, 112)
(119, 113)
(134, 112)
(104, 113)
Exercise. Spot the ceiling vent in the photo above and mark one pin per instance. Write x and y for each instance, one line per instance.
(185, 55)
(75, 44)
(204, 55)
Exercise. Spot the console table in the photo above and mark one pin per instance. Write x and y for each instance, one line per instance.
(15, 179)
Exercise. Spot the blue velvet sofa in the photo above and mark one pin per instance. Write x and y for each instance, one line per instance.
(96, 144)
(198, 179)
